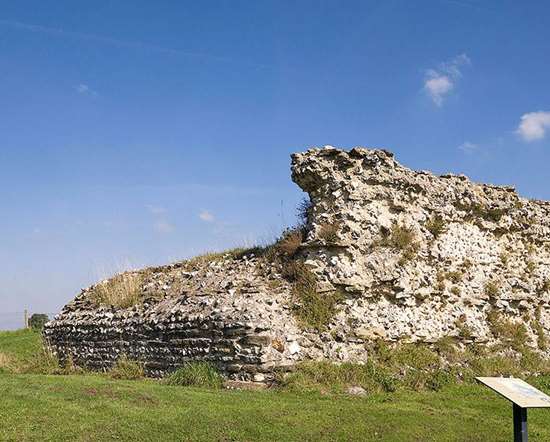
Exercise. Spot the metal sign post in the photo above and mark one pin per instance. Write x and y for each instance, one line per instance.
(523, 396)
(520, 424)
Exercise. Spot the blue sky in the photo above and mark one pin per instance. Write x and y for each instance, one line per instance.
(142, 132)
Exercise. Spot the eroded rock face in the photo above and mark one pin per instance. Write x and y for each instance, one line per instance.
(418, 256)
(488, 249)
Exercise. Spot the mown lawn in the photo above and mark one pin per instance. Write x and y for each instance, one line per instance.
(97, 408)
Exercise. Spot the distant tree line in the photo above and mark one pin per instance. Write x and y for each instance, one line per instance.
(38, 320)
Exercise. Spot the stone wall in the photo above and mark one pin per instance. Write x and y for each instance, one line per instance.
(488, 249)
(418, 257)
(227, 311)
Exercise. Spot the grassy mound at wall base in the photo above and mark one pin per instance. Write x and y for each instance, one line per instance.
(409, 366)
(92, 407)
(18, 349)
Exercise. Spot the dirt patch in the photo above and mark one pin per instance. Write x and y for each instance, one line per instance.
(142, 399)
(105, 392)
(90, 392)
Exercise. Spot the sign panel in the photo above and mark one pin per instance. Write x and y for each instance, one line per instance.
(518, 391)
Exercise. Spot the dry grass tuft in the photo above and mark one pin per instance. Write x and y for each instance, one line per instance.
(542, 341)
(491, 289)
(295, 271)
(530, 267)
(455, 276)
(455, 290)
(5, 361)
(232, 254)
(122, 291)
(504, 258)
(467, 264)
(436, 226)
(290, 242)
(398, 237)
(513, 333)
(464, 331)
(477, 210)
(441, 281)
(328, 232)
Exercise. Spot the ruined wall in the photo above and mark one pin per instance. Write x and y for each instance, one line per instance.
(417, 257)
(227, 311)
(475, 248)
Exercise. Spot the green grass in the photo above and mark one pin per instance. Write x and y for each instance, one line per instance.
(312, 309)
(197, 374)
(96, 407)
(127, 369)
(19, 347)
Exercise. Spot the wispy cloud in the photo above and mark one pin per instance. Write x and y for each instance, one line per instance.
(206, 216)
(533, 126)
(156, 210)
(468, 147)
(129, 44)
(163, 226)
(84, 89)
(161, 223)
(439, 82)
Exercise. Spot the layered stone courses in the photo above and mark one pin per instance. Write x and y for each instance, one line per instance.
(490, 253)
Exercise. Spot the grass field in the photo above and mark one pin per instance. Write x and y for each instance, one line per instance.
(98, 408)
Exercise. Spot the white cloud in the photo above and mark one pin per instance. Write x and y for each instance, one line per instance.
(84, 89)
(162, 226)
(439, 82)
(533, 125)
(206, 216)
(438, 87)
(468, 147)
